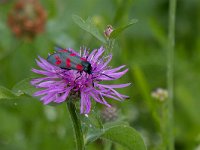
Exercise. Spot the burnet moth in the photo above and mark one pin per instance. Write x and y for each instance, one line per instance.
(65, 59)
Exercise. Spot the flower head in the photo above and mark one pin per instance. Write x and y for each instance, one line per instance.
(27, 18)
(59, 84)
(160, 94)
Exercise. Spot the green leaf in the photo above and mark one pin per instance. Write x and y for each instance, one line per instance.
(126, 136)
(93, 134)
(118, 30)
(56, 32)
(91, 125)
(24, 87)
(89, 27)
(119, 132)
(6, 93)
(115, 123)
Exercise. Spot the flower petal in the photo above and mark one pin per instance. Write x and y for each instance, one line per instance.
(90, 57)
(83, 99)
(88, 104)
(43, 72)
(107, 62)
(46, 63)
(46, 97)
(49, 100)
(110, 96)
(46, 84)
(114, 69)
(99, 100)
(114, 85)
(41, 92)
(99, 53)
(64, 96)
(113, 76)
(36, 81)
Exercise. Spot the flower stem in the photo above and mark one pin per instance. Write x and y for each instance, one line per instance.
(109, 46)
(170, 81)
(76, 125)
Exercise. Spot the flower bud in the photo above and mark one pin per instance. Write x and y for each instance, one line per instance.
(108, 31)
(160, 94)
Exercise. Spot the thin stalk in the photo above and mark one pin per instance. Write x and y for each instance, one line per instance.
(109, 45)
(170, 76)
(76, 125)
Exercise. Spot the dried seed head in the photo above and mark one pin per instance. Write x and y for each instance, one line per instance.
(27, 18)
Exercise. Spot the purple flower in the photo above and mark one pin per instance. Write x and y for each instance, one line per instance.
(59, 84)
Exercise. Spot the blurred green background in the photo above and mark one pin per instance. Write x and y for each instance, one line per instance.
(26, 124)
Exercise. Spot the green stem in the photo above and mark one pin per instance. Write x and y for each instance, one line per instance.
(109, 46)
(76, 125)
(170, 73)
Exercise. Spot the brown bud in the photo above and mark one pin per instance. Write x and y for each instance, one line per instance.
(108, 31)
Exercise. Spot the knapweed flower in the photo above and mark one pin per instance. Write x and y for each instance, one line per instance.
(58, 85)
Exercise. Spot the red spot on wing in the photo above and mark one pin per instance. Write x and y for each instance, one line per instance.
(72, 54)
(79, 67)
(68, 63)
(64, 50)
(83, 59)
(58, 60)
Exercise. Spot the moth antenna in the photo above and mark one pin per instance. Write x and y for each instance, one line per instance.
(105, 75)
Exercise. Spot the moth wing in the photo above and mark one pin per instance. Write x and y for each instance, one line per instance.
(67, 63)
(57, 60)
(53, 58)
(73, 61)
(66, 60)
